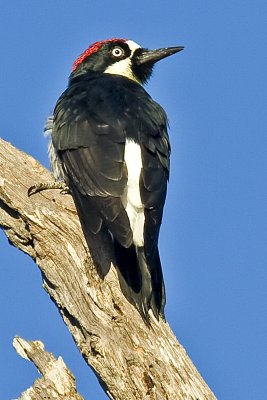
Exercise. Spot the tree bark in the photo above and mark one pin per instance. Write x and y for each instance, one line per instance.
(57, 381)
(132, 360)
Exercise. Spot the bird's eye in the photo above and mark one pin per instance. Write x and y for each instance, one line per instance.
(117, 52)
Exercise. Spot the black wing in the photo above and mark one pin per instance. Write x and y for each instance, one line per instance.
(91, 147)
(91, 121)
(153, 187)
(155, 175)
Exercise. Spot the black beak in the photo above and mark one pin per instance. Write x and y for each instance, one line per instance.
(152, 56)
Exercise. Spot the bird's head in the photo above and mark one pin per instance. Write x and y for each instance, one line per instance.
(120, 57)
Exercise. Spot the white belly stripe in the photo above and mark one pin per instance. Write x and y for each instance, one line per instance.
(132, 200)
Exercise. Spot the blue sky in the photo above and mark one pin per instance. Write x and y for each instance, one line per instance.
(213, 239)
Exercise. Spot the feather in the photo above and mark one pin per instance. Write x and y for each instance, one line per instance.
(111, 139)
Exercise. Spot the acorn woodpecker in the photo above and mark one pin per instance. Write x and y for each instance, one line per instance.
(111, 140)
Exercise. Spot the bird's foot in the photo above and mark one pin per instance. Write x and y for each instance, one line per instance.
(39, 187)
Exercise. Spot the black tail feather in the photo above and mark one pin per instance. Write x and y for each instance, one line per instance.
(140, 274)
(141, 282)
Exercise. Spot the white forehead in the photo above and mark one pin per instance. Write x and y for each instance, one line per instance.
(132, 45)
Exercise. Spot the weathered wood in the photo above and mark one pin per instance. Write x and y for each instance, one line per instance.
(57, 382)
(133, 361)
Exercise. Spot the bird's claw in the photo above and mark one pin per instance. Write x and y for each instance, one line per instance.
(39, 187)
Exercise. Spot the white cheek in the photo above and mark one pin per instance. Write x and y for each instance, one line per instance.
(123, 68)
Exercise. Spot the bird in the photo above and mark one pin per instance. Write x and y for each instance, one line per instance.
(111, 147)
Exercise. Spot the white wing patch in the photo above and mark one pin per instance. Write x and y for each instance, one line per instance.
(132, 199)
